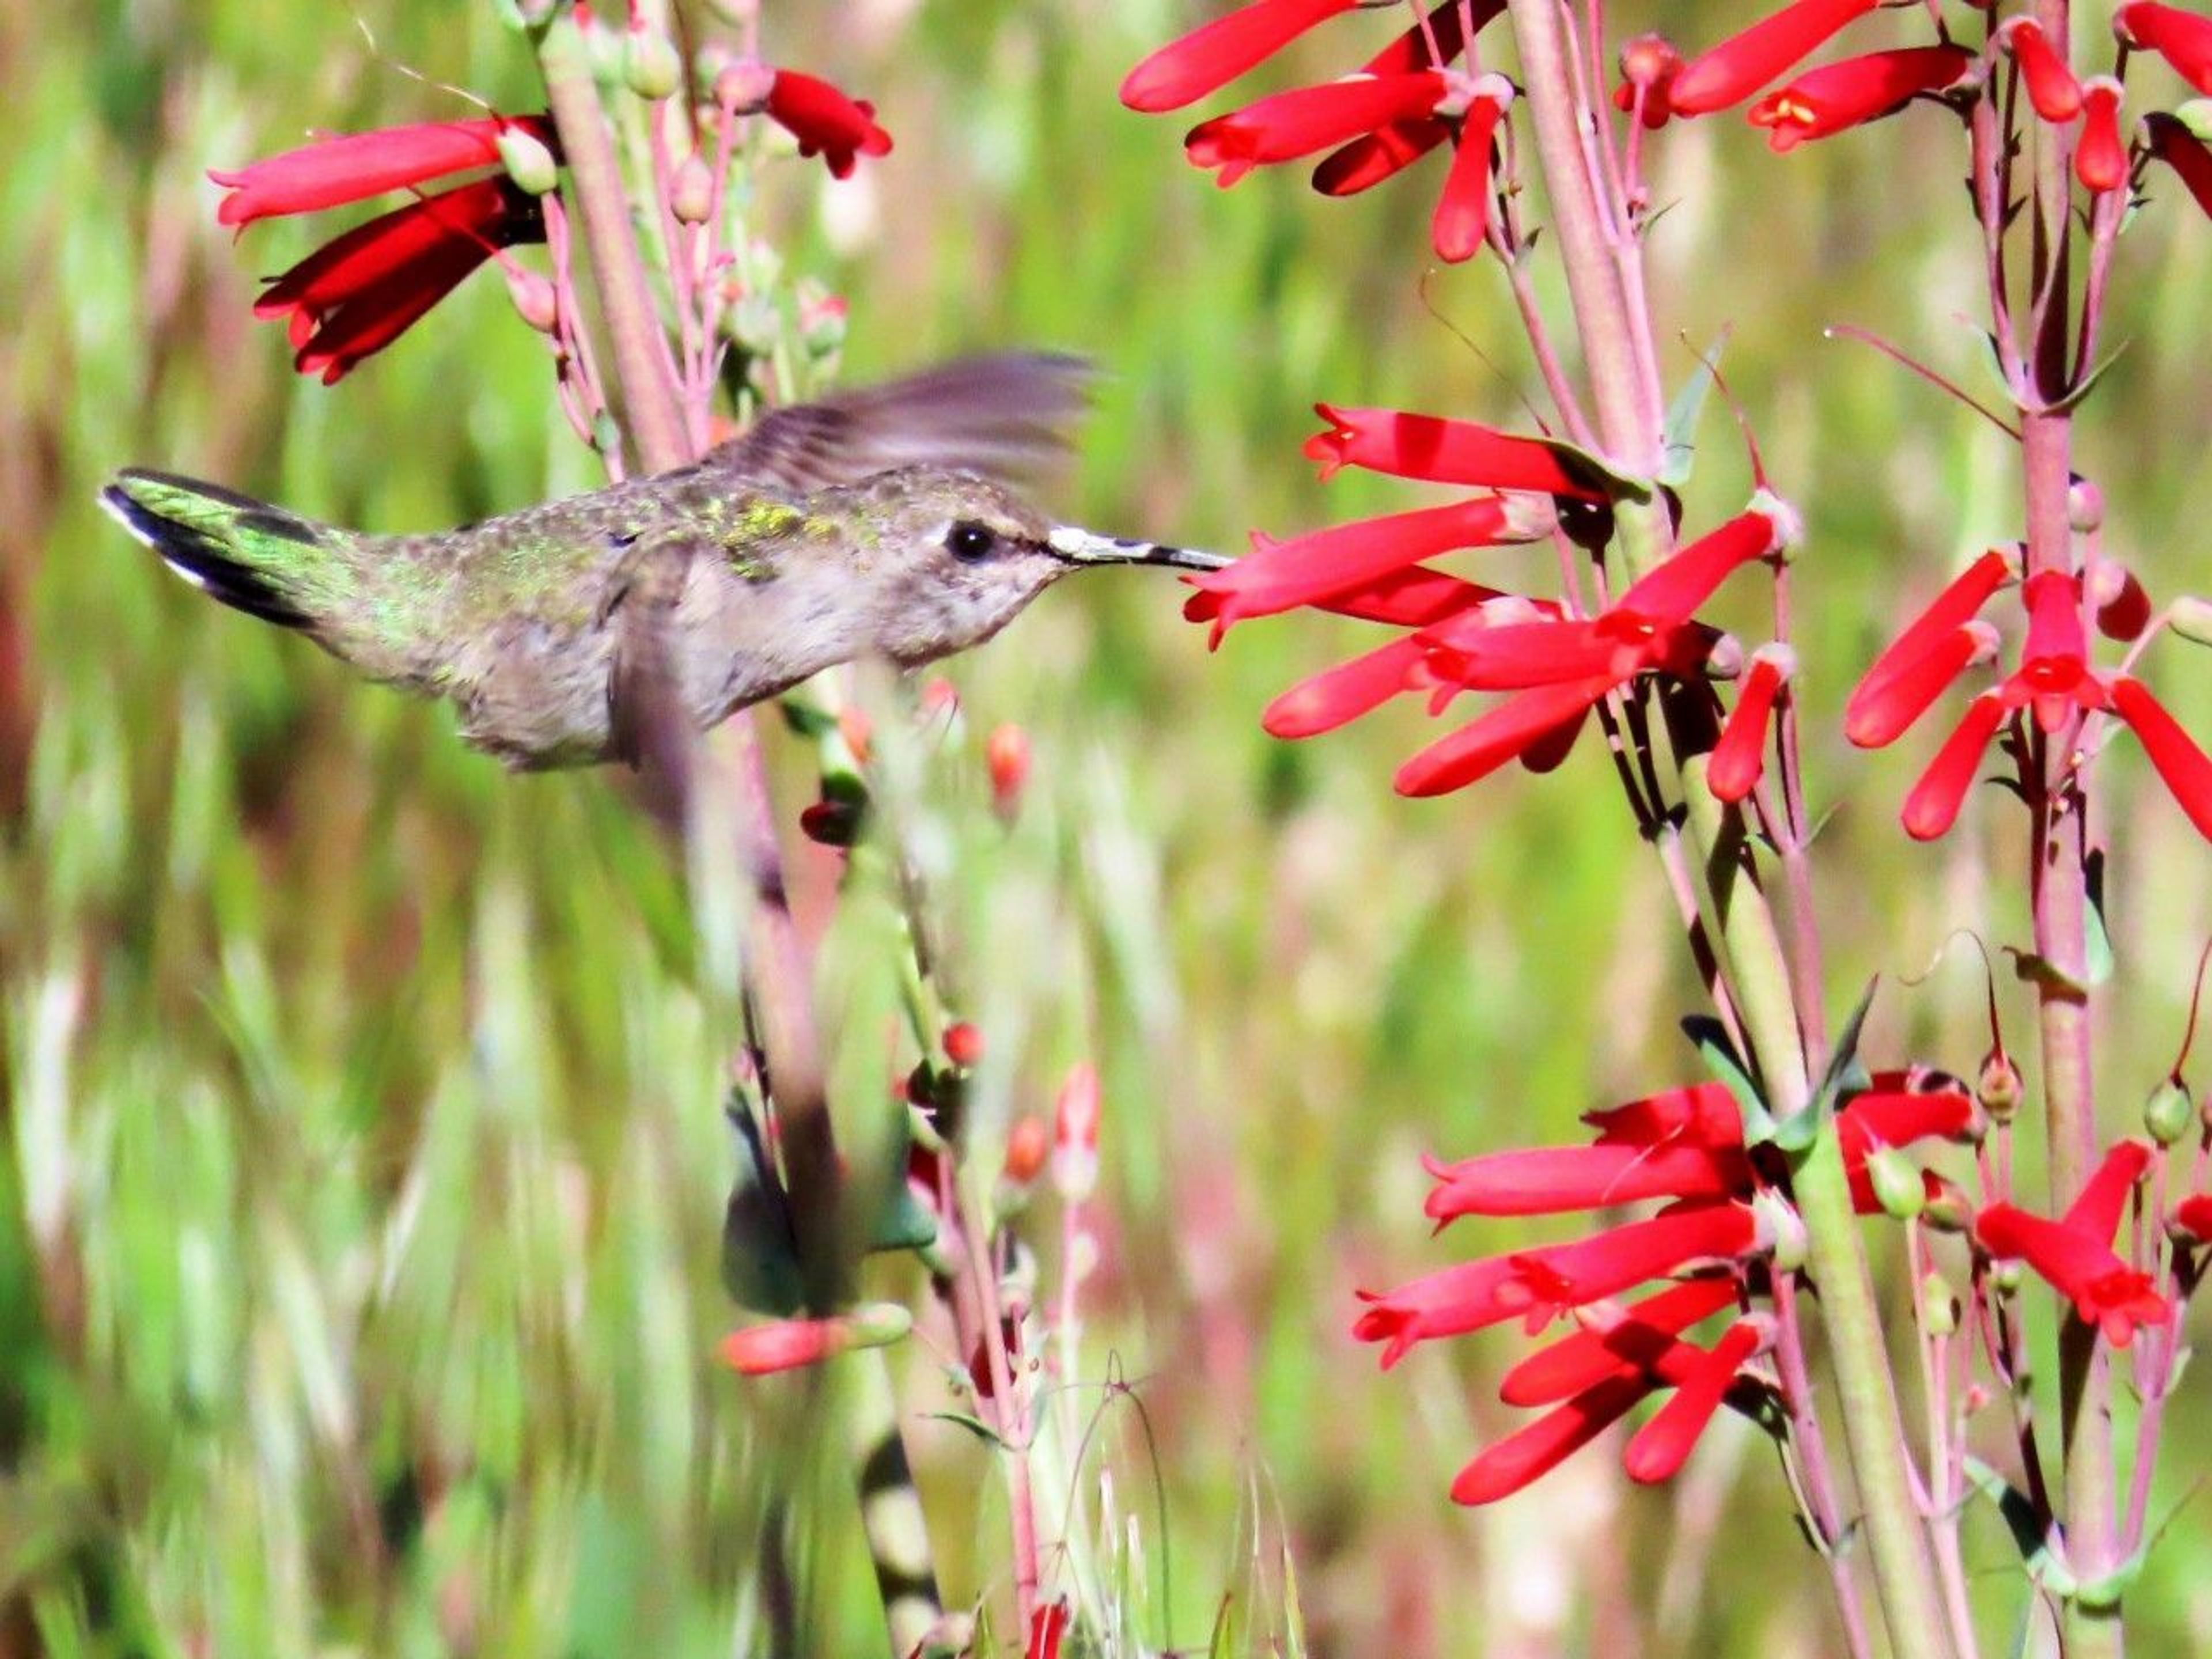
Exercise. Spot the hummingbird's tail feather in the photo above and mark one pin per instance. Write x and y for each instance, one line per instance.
(255, 558)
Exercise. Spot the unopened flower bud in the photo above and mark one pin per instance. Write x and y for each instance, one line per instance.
(743, 89)
(1648, 60)
(822, 319)
(528, 160)
(963, 1045)
(1029, 1143)
(1948, 1210)
(1897, 1184)
(1006, 753)
(2005, 1277)
(785, 1344)
(2191, 619)
(535, 299)
(1725, 661)
(2085, 503)
(1998, 1087)
(650, 67)
(2123, 607)
(1939, 1305)
(1780, 1230)
(832, 822)
(1075, 1133)
(2169, 1113)
(692, 191)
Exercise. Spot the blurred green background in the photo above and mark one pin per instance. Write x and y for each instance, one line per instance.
(357, 1238)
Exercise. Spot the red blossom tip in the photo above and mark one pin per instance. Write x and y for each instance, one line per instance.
(2101, 154)
(2052, 90)
(1839, 96)
(1932, 807)
(1442, 451)
(2179, 763)
(825, 121)
(1739, 66)
(1661, 1447)
(1738, 757)
(2182, 38)
(1210, 56)
(332, 171)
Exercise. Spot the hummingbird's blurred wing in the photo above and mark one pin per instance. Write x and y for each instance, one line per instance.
(649, 725)
(1007, 418)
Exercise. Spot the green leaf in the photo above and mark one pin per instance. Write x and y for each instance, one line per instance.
(1679, 454)
(975, 1425)
(2082, 387)
(760, 1250)
(2024, 1524)
(2097, 966)
(1845, 1075)
(1710, 1039)
(2045, 974)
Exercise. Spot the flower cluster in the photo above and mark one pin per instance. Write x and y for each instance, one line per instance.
(1725, 1215)
(2054, 686)
(1405, 101)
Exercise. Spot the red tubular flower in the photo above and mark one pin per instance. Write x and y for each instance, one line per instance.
(1280, 576)
(1047, 1628)
(2193, 1216)
(1550, 1180)
(1731, 71)
(1534, 1452)
(785, 1344)
(1462, 216)
(1877, 717)
(1874, 704)
(2075, 1254)
(1367, 162)
(1290, 125)
(2180, 763)
(2182, 38)
(358, 294)
(1657, 1449)
(332, 171)
(1649, 64)
(1639, 1339)
(1413, 598)
(1210, 56)
(1443, 452)
(1838, 96)
(1323, 702)
(1549, 1282)
(1932, 807)
(2052, 90)
(1740, 757)
(2180, 150)
(825, 121)
(2100, 155)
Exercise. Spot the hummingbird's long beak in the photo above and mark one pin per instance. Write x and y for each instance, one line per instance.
(1083, 547)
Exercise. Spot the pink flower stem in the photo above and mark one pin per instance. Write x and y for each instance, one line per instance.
(1506, 240)
(1823, 1511)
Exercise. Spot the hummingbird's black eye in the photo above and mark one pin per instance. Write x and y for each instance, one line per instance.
(970, 541)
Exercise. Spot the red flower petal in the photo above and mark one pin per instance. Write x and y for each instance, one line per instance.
(1739, 66)
(784, 1345)
(1483, 746)
(1283, 575)
(1703, 1113)
(2182, 38)
(1558, 1277)
(1289, 125)
(2173, 751)
(1955, 606)
(1343, 693)
(2193, 1216)
(1740, 757)
(1933, 806)
(1532, 1452)
(1640, 1341)
(2052, 88)
(1686, 579)
(1462, 216)
(1655, 1451)
(1553, 1180)
(2096, 1210)
(1210, 56)
(1366, 161)
(1880, 712)
(1452, 1303)
(2104, 1290)
(1443, 451)
(2100, 155)
(825, 121)
(334, 171)
(1838, 96)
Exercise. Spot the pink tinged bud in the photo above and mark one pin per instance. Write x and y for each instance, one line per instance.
(1933, 806)
(1210, 58)
(1740, 755)
(1462, 216)
(826, 122)
(1006, 755)
(335, 170)
(2100, 155)
(1731, 71)
(1075, 1113)
(1657, 1449)
(1550, 1180)
(1293, 124)
(1442, 451)
(2193, 1217)
(2123, 607)
(2052, 88)
(2106, 1291)
(1640, 1341)
(1029, 1143)
(1283, 575)
(1504, 734)
(786, 1345)
(1838, 96)
(2183, 151)
(1337, 695)
(744, 86)
(2182, 38)
(535, 300)
(692, 191)
(2180, 763)
(1534, 1452)
(1648, 66)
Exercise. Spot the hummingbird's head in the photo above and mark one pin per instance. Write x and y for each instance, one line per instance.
(950, 558)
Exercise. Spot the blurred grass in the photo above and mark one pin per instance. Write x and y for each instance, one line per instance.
(357, 1264)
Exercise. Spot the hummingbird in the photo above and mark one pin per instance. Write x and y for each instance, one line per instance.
(877, 523)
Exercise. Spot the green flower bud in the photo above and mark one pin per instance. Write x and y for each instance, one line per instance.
(528, 161)
(1939, 1305)
(2191, 619)
(1782, 1229)
(1897, 1184)
(1998, 1087)
(2169, 1112)
(651, 67)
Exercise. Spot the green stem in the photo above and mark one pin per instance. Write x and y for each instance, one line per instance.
(1749, 940)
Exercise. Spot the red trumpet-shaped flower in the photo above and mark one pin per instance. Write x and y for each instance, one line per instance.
(825, 121)
(1731, 71)
(2054, 682)
(1851, 94)
(1431, 43)
(358, 294)
(1211, 56)
(1462, 216)
(2100, 155)
(352, 168)
(2052, 90)
(2075, 1253)
(2181, 150)
(1682, 1146)
(1290, 125)
(1740, 757)
(2182, 38)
